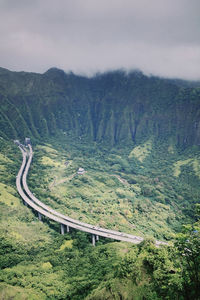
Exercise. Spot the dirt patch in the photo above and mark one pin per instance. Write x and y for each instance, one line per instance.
(55, 183)
(122, 180)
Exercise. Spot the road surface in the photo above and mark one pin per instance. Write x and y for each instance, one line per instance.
(52, 214)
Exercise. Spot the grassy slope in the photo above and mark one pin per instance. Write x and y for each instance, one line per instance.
(39, 263)
(119, 189)
(147, 189)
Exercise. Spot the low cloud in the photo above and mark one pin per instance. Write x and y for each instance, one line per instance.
(159, 37)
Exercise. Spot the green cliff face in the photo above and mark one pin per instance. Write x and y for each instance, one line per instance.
(112, 107)
(147, 185)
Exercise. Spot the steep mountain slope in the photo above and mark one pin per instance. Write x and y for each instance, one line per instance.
(113, 107)
(138, 139)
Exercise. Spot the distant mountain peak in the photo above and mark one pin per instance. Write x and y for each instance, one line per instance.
(54, 71)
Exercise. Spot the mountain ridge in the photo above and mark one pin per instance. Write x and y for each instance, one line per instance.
(134, 136)
(114, 107)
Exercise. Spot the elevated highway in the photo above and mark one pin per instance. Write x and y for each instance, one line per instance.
(67, 218)
(65, 221)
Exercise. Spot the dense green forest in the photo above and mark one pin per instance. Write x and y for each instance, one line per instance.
(137, 138)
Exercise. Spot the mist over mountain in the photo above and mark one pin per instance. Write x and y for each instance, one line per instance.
(113, 107)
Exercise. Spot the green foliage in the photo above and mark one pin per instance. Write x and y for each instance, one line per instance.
(68, 267)
(132, 134)
(147, 201)
(8, 292)
(188, 245)
(114, 107)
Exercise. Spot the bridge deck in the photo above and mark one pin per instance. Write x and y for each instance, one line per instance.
(52, 214)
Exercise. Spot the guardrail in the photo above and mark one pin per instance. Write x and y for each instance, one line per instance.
(44, 210)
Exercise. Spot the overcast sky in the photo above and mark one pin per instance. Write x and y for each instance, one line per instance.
(160, 37)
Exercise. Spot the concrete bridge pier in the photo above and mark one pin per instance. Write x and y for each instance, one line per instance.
(62, 228)
(67, 228)
(97, 237)
(25, 203)
(39, 216)
(93, 239)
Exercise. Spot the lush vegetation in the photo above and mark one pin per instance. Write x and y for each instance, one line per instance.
(39, 263)
(113, 108)
(137, 139)
(118, 189)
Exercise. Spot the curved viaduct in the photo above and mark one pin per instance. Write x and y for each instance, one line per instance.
(65, 221)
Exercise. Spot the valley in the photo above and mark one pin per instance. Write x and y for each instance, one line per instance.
(137, 138)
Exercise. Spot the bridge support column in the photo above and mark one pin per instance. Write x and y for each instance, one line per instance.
(97, 237)
(62, 228)
(25, 203)
(93, 240)
(67, 228)
(39, 216)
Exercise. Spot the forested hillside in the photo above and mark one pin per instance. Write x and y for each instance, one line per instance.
(138, 139)
(114, 107)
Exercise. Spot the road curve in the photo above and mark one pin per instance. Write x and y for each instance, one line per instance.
(67, 218)
(52, 214)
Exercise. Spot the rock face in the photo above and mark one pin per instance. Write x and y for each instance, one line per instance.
(113, 107)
